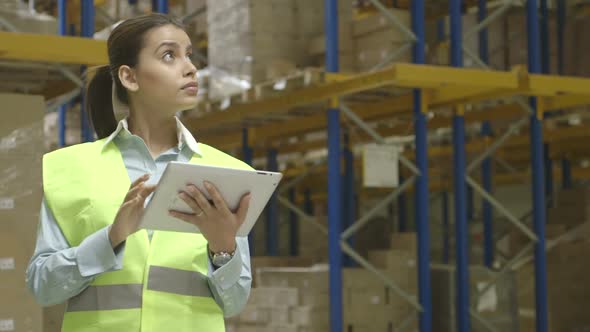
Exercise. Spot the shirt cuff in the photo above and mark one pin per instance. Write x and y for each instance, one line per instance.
(229, 274)
(96, 255)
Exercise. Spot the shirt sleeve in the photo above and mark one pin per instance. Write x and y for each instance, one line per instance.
(57, 272)
(231, 283)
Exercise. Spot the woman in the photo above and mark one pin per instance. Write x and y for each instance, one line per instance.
(90, 249)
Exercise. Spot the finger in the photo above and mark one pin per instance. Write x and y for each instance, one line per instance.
(243, 209)
(143, 193)
(146, 191)
(198, 196)
(131, 194)
(189, 218)
(218, 200)
(139, 180)
(191, 202)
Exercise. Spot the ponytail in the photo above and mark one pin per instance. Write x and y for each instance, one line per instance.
(99, 102)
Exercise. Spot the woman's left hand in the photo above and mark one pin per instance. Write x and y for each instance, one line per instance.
(216, 222)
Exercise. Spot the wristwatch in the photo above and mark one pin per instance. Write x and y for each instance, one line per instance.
(221, 258)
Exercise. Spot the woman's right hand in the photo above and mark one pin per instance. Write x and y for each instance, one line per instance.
(129, 215)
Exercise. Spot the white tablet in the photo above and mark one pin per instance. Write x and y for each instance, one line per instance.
(232, 183)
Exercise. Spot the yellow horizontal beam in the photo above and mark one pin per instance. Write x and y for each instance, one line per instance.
(424, 76)
(400, 75)
(552, 85)
(564, 102)
(504, 112)
(436, 185)
(368, 111)
(54, 49)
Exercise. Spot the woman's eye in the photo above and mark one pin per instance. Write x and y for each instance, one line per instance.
(190, 56)
(168, 56)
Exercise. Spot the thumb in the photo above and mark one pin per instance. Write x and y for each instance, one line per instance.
(243, 209)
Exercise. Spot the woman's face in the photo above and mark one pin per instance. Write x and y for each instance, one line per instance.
(165, 75)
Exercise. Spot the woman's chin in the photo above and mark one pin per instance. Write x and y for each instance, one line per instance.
(187, 106)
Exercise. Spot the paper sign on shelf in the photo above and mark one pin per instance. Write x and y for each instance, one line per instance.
(7, 325)
(7, 263)
(381, 166)
(6, 203)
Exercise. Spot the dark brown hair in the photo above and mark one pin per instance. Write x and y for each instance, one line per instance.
(124, 44)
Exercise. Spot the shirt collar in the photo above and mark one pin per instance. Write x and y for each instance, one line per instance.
(183, 134)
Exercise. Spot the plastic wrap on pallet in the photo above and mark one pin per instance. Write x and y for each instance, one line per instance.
(21, 151)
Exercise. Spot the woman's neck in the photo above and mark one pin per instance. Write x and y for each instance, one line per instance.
(159, 134)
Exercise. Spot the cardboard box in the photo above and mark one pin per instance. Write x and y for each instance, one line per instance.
(313, 278)
(272, 297)
(13, 261)
(53, 318)
(404, 241)
(19, 312)
(311, 316)
(253, 314)
(378, 22)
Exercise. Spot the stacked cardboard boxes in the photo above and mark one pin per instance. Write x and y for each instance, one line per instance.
(376, 40)
(286, 299)
(245, 36)
(268, 309)
(567, 291)
(493, 302)
(22, 148)
(571, 208)
(252, 40)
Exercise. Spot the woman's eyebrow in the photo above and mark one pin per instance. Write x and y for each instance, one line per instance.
(172, 44)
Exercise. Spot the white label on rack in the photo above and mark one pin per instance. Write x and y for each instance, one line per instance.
(7, 263)
(380, 166)
(7, 144)
(7, 325)
(6, 203)
(488, 300)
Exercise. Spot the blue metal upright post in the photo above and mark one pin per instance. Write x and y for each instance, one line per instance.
(460, 185)
(87, 30)
(421, 185)
(63, 31)
(536, 139)
(446, 230)
(348, 199)
(486, 166)
(293, 226)
(272, 210)
(402, 216)
(545, 42)
(548, 175)
(160, 6)
(334, 180)
(248, 156)
(566, 174)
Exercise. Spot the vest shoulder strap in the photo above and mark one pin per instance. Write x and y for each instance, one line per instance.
(215, 157)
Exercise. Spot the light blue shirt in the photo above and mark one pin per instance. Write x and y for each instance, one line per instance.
(58, 271)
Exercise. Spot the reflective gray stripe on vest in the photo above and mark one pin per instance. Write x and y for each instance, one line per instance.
(165, 279)
(107, 297)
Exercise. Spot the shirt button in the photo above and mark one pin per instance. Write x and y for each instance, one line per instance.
(222, 279)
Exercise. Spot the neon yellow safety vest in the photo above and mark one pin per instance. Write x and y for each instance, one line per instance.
(162, 285)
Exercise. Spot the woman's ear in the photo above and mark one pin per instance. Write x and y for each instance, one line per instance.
(127, 78)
